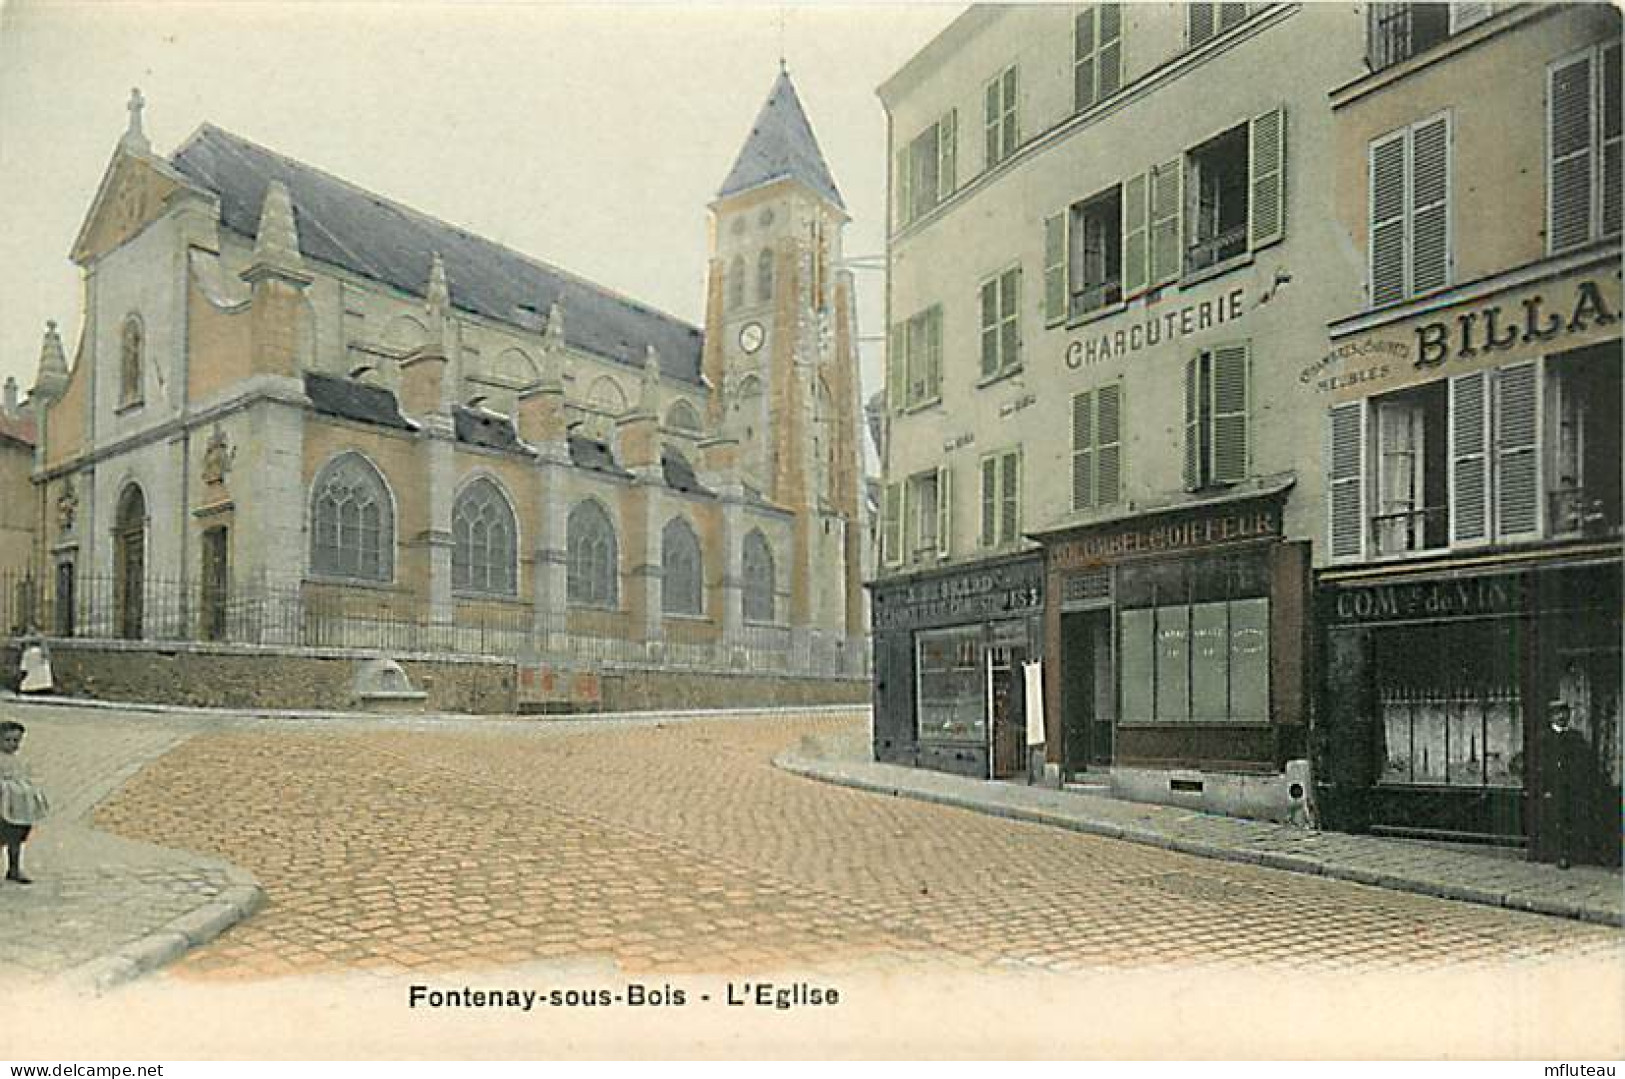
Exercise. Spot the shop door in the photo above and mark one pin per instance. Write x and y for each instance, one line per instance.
(1087, 698)
(1007, 706)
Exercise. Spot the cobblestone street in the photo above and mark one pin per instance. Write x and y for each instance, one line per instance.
(677, 847)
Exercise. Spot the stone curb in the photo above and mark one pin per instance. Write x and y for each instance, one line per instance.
(168, 943)
(826, 772)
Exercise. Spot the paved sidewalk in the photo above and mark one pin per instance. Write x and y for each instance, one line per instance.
(1585, 893)
(103, 909)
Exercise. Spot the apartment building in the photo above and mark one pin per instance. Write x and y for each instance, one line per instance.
(1470, 591)
(1113, 253)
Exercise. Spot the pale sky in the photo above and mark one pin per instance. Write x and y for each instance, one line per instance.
(588, 135)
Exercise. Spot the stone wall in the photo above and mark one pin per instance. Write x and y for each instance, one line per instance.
(642, 691)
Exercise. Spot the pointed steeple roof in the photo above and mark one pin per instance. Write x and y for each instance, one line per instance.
(781, 146)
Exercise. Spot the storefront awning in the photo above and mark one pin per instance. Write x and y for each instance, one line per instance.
(1246, 491)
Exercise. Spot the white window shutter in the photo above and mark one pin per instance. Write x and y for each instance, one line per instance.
(897, 367)
(1199, 21)
(1193, 423)
(1083, 450)
(1055, 260)
(1108, 443)
(903, 178)
(1010, 499)
(1517, 451)
(1466, 13)
(1109, 51)
(1346, 481)
(1386, 213)
(1167, 205)
(1136, 229)
(1430, 205)
(947, 154)
(891, 519)
(1266, 145)
(1083, 59)
(933, 354)
(1611, 100)
(987, 303)
(1569, 120)
(1230, 393)
(1469, 459)
(990, 501)
(945, 513)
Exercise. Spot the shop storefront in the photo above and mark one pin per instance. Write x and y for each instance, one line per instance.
(1440, 694)
(1176, 645)
(949, 651)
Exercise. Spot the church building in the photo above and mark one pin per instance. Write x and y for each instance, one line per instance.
(301, 415)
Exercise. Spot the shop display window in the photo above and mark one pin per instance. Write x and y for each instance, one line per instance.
(951, 693)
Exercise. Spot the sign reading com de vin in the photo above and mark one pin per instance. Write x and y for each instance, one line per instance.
(1011, 590)
(1184, 535)
(1474, 597)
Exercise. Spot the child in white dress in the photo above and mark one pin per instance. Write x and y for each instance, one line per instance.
(22, 803)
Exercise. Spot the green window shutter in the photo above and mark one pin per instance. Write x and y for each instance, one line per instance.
(945, 512)
(1346, 481)
(1569, 146)
(1430, 205)
(990, 327)
(891, 519)
(1230, 435)
(1266, 145)
(1136, 229)
(990, 501)
(1193, 423)
(1083, 450)
(1108, 444)
(903, 178)
(1386, 254)
(897, 367)
(1010, 498)
(1055, 283)
(1083, 59)
(1167, 204)
(1469, 475)
(1109, 52)
(947, 154)
(1517, 450)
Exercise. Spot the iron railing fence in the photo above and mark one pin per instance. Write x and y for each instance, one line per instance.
(302, 615)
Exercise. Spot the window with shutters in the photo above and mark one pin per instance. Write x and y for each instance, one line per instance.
(757, 559)
(1410, 243)
(1396, 32)
(593, 564)
(1001, 499)
(1217, 399)
(1583, 442)
(1097, 54)
(682, 580)
(1409, 511)
(1095, 266)
(485, 543)
(1216, 200)
(891, 525)
(915, 359)
(999, 300)
(927, 168)
(1001, 117)
(1097, 447)
(1205, 21)
(921, 535)
(1583, 178)
(352, 521)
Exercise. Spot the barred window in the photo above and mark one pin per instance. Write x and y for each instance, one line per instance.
(681, 587)
(758, 558)
(484, 541)
(592, 558)
(352, 521)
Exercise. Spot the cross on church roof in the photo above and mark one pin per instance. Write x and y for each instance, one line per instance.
(134, 136)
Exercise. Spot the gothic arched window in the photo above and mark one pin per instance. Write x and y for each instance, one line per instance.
(352, 521)
(682, 417)
(484, 541)
(764, 275)
(590, 539)
(683, 580)
(736, 282)
(758, 559)
(132, 344)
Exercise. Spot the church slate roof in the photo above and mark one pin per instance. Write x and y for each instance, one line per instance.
(781, 146)
(679, 474)
(485, 429)
(354, 400)
(591, 454)
(347, 226)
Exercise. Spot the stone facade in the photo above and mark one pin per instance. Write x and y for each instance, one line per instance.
(299, 415)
